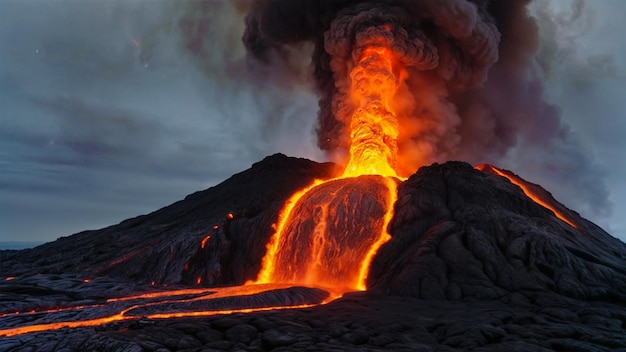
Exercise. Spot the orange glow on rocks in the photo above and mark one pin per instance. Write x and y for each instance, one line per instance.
(516, 180)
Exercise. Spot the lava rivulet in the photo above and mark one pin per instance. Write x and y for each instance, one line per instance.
(514, 179)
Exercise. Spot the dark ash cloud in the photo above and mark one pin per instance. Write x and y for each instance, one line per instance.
(473, 90)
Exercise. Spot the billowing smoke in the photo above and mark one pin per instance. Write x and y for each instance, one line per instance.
(470, 87)
(445, 48)
(469, 91)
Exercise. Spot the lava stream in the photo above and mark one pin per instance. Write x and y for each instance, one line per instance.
(514, 179)
(156, 298)
(329, 233)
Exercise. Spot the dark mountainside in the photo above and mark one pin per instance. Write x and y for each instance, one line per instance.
(473, 264)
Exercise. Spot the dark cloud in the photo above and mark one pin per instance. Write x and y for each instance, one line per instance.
(447, 44)
(103, 115)
(473, 90)
(93, 135)
(584, 72)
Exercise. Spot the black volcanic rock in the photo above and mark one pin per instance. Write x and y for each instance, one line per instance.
(473, 264)
(461, 233)
(457, 233)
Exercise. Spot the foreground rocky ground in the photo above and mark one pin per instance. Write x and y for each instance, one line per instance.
(473, 264)
(360, 322)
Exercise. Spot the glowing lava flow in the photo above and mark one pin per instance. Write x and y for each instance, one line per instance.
(328, 234)
(156, 298)
(526, 189)
(269, 260)
(317, 240)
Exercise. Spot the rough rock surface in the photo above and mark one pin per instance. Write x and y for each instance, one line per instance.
(461, 233)
(473, 264)
(360, 322)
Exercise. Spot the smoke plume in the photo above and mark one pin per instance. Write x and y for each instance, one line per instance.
(446, 49)
(469, 89)
(470, 85)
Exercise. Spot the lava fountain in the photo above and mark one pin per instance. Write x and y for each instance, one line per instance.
(328, 234)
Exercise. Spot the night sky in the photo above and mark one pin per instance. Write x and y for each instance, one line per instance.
(106, 113)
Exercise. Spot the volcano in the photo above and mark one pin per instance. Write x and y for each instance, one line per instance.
(471, 258)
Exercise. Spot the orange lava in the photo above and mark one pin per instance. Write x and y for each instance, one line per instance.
(316, 243)
(374, 127)
(384, 236)
(34, 311)
(192, 291)
(165, 297)
(204, 241)
(60, 325)
(514, 179)
(268, 265)
(221, 312)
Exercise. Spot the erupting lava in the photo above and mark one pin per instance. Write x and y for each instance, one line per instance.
(329, 232)
(374, 127)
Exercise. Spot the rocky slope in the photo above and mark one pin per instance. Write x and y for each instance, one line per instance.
(473, 263)
(461, 233)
